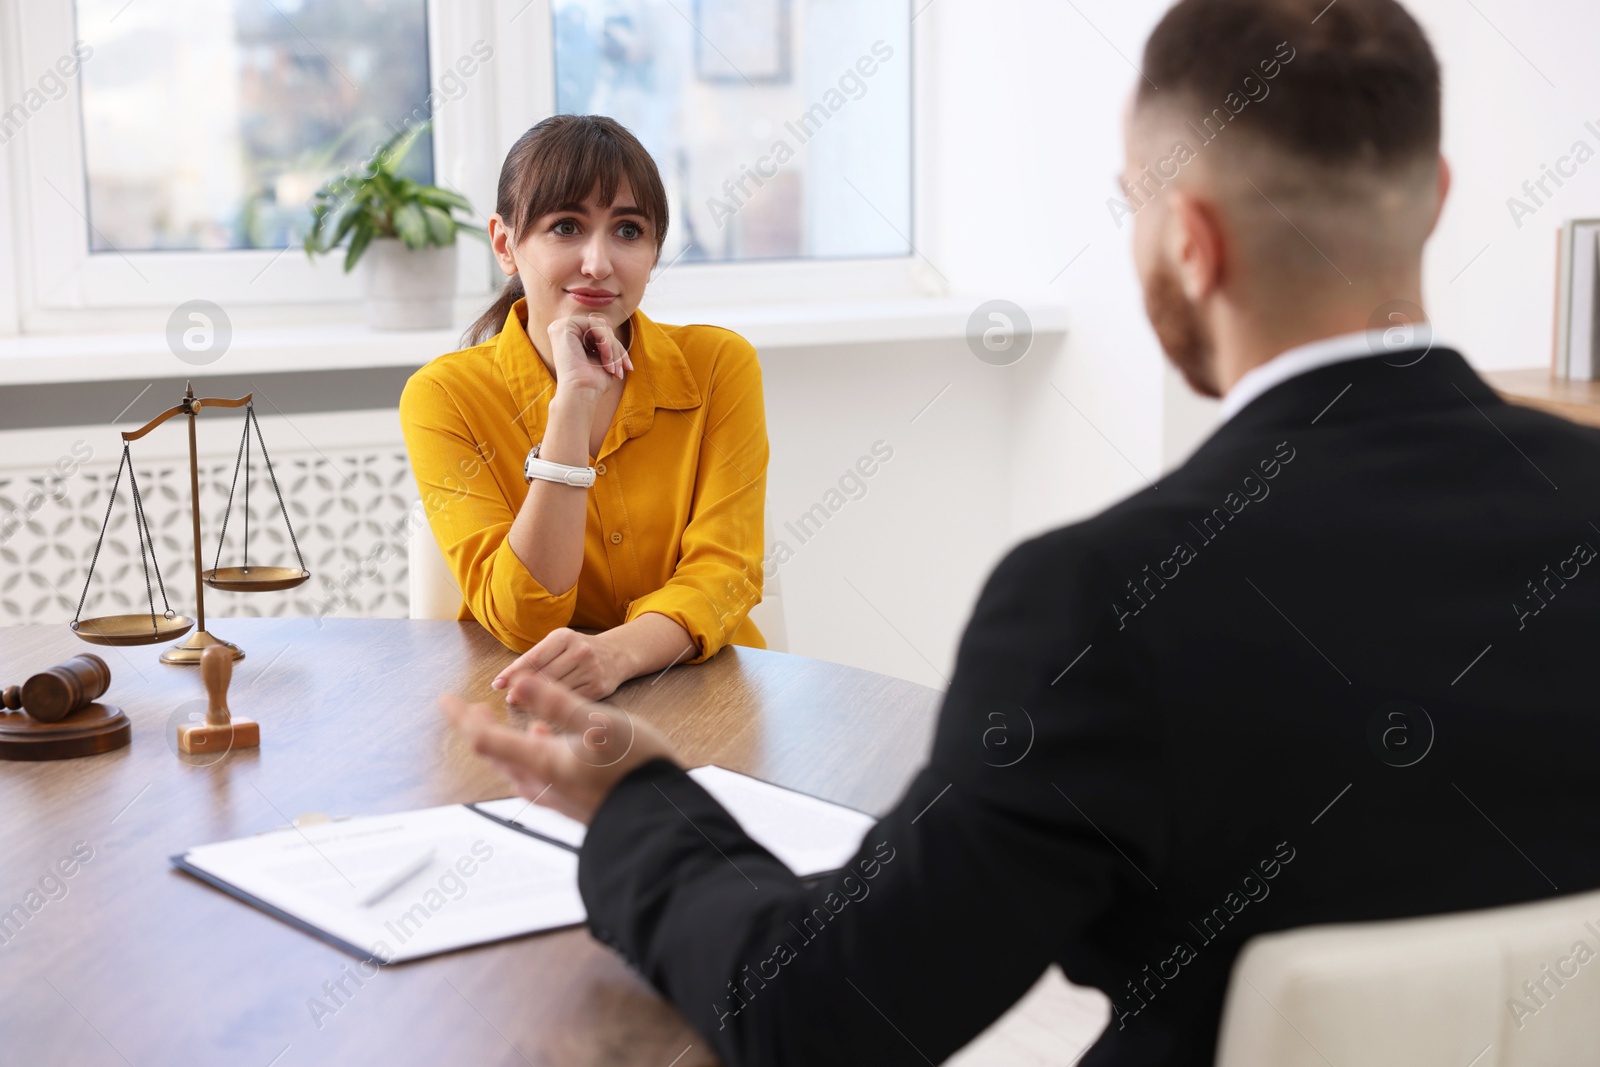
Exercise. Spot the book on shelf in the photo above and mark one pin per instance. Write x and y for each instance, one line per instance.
(1577, 334)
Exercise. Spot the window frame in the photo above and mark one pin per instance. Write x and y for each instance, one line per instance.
(60, 287)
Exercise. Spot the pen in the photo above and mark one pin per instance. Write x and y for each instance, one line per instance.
(397, 879)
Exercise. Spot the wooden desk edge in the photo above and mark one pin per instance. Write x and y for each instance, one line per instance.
(1537, 388)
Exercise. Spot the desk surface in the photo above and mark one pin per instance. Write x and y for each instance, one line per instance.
(1567, 397)
(136, 963)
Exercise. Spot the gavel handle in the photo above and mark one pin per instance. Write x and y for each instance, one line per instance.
(11, 697)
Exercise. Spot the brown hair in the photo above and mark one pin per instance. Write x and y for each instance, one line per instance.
(1362, 88)
(558, 162)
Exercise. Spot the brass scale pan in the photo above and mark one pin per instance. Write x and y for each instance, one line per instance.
(254, 579)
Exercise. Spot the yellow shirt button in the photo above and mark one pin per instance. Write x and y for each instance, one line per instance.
(601, 469)
(616, 538)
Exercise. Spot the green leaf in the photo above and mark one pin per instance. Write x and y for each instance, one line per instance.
(382, 186)
(380, 202)
(347, 219)
(441, 227)
(411, 225)
(394, 151)
(358, 245)
(444, 198)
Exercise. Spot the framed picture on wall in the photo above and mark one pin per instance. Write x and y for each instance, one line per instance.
(742, 41)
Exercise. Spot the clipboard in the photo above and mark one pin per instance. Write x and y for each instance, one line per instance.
(286, 872)
(484, 881)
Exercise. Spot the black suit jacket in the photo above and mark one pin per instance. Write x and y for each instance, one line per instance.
(1338, 666)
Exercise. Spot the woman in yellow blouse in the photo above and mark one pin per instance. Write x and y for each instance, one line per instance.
(661, 553)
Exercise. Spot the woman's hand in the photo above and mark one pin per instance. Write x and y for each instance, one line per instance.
(572, 756)
(588, 664)
(586, 353)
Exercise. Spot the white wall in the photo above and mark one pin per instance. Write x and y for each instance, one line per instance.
(1503, 120)
(931, 523)
(1031, 93)
(1029, 96)
(1030, 115)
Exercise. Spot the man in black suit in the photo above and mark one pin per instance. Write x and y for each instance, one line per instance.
(1335, 667)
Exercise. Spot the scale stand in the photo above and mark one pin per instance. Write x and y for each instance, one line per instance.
(156, 627)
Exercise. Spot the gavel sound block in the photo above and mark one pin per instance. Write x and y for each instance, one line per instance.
(54, 714)
(222, 730)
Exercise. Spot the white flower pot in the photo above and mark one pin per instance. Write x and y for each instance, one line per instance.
(409, 289)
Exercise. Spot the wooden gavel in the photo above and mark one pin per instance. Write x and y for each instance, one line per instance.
(52, 695)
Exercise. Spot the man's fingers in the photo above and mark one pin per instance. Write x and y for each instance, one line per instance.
(550, 701)
(520, 755)
(605, 736)
(461, 715)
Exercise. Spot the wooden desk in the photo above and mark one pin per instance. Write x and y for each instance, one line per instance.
(140, 964)
(1575, 400)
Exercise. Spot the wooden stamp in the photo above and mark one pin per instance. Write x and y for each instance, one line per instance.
(222, 730)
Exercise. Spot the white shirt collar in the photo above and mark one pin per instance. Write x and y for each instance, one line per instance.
(1303, 358)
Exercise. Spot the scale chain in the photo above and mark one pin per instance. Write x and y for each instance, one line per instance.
(104, 526)
(244, 443)
(250, 414)
(145, 532)
(249, 417)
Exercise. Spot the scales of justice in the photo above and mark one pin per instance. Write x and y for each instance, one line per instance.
(165, 625)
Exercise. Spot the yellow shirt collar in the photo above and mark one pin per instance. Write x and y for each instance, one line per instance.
(661, 378)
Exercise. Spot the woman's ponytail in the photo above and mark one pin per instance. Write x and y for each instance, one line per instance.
(493, 321)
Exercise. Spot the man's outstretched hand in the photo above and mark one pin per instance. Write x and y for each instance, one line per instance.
(571, 756)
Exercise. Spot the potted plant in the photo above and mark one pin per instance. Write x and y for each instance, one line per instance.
(406, 231)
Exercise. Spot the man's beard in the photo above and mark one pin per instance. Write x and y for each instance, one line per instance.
(1180, 331)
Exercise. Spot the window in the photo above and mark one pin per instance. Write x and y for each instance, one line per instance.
(782, 128)
(208, 124)
(164, 152)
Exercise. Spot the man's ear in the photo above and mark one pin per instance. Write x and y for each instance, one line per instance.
(1197, 247)
(1444, 191)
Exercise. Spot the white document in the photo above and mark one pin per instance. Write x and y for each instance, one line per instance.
(462, 879)
(809, 835)
(485, 882)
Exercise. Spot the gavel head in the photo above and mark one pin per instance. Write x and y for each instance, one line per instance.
(52, 695)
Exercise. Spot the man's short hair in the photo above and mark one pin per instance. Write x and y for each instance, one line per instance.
(1361, 91)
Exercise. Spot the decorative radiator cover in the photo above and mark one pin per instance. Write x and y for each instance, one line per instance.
(346, 483)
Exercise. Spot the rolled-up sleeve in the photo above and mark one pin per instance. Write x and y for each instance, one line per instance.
(717, 579)
(471, 520)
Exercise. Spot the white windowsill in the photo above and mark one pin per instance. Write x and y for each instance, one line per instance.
(60, 358)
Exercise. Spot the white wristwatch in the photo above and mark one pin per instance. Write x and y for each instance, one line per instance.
(546, 471)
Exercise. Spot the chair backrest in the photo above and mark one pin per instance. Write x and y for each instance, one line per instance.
(435, 594)
(768, 615)
(1517, 986)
